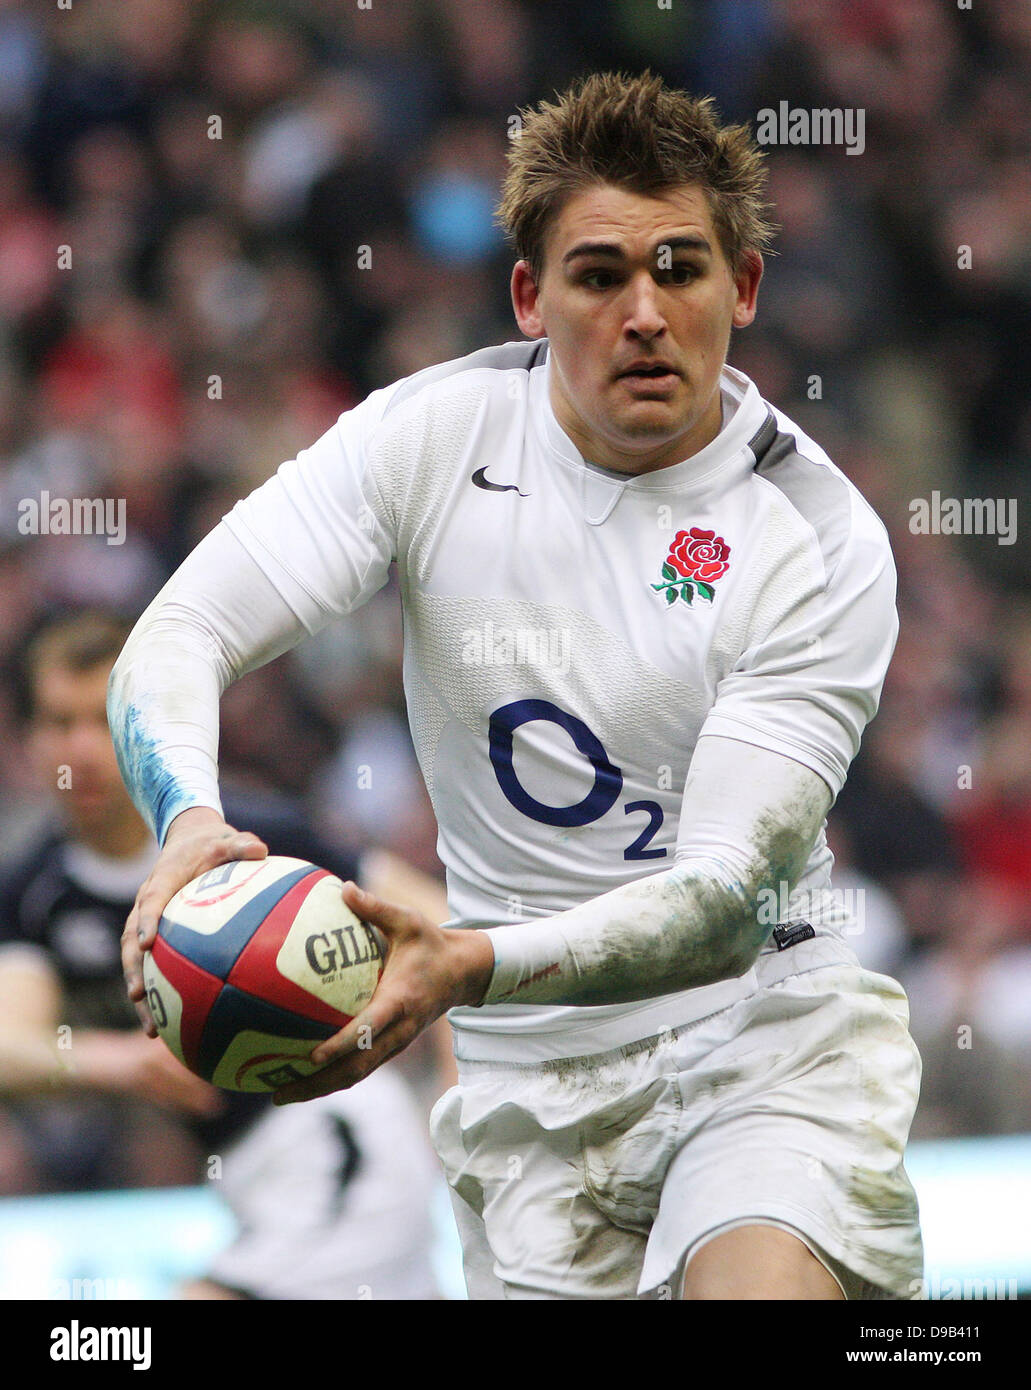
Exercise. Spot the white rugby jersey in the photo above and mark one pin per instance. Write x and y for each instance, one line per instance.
(571, 632)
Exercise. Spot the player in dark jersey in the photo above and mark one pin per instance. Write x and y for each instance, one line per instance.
(87, 1101)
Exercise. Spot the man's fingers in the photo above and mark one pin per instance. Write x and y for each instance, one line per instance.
(163, 884)
(414, 989)
(382, 1011)
(131, 954)
(146, 1020)
(242, 845)
(150, 904)
(358, 1030)
(390, 917)
(348, 1070)
(132, 969)
(152, 900)
(186, 854)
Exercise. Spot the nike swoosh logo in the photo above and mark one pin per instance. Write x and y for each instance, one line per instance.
(480, 480)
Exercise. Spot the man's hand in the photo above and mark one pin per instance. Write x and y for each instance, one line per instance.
(428, 970)
(130, 1065)
(197, 840)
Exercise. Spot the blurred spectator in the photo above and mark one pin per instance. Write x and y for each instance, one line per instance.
(969, 1016)
(993, 818)
(331, 1201)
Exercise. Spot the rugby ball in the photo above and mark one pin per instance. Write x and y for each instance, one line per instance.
(255, 962)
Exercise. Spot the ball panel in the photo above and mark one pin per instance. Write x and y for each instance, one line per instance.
(258, 970)
(235, 1016)
(216, 945)
(169, 979)
(208, 900)
(329, 953)
(165, 1004)
(262, 1062)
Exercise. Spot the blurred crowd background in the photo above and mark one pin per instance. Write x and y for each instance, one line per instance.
(273, 208)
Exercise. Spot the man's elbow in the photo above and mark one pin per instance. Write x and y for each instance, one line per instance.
(720, 935)
(743, 951)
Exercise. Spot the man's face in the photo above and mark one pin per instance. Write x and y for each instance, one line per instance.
(69, 730)
(637, 300)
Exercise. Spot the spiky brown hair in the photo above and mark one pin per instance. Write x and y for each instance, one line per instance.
(639, 134)
(75, 641)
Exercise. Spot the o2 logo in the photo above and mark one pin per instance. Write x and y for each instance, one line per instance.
(608, 779)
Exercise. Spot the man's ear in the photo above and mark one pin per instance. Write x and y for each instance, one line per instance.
(747, 282)
(525, 301)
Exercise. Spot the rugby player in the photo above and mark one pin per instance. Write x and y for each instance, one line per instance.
(646, 622)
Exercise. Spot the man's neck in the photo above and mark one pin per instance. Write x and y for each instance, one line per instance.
(598, 451)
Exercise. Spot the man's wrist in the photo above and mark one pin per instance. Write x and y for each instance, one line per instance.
(478, 967)
(191, 818)
(528, 958)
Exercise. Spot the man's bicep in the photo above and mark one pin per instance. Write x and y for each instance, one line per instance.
(319, 528)
(810, 683)
(757, 811)
(223, 598)
(310, 544)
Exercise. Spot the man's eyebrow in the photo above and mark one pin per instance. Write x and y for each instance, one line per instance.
(608, 248)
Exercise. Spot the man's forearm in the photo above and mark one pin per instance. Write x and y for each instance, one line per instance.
(163, 714)
(217, 618)
(31, 1063)
(677, 930)
(691, 925)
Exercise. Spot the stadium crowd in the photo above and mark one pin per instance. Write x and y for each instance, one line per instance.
(221, 224)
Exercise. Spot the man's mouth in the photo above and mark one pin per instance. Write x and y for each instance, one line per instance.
(649, 369)
(653, 374)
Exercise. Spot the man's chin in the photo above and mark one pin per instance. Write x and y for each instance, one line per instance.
(650, 423)
(642, 423)
(650, 409)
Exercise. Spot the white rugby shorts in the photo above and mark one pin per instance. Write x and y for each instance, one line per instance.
(600, 1177)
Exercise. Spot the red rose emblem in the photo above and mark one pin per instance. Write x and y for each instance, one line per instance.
(695, 561)
(698, 554)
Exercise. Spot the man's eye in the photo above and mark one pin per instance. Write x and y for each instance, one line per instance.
(680, 274)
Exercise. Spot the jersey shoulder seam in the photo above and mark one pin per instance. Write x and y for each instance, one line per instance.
(780, 443)
(504, 357)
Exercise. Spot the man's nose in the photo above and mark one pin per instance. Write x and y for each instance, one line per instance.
(85, 741)
(645, 318)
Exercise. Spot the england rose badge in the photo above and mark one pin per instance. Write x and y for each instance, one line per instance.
(696, 560)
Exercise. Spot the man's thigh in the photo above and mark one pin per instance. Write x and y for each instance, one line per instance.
(758, 1262)
(789, 1113)
(801, 1124)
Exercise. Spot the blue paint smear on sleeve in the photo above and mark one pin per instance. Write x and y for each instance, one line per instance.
(154, 787)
